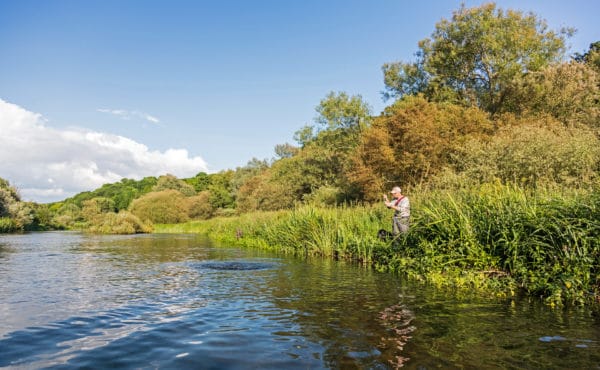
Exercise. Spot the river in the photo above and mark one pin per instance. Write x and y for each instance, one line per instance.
(70, 301)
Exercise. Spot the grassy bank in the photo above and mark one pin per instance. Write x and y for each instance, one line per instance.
(495, 238)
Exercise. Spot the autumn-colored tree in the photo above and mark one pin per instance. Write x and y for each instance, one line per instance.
(412, 141)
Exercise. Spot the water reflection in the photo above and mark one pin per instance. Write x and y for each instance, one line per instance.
(70, 300)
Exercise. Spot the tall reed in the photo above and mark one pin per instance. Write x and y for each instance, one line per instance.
(545, 243)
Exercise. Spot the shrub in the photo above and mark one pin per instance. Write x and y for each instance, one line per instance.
(7, 225)
(167, 206)
(199, 206)
(120, 223)
(533, 154)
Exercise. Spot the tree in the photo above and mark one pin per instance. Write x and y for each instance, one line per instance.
(221, 191)
(412, 141)
(340, 120)
(285, 150)
(14, 214)
(94, 208)
(323, 157)
(537, 152)
(591, 57)
(475, 57)
(569, 92)
(200, 182)
(168, 181)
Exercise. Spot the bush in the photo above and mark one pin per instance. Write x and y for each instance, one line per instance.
(162, 207)
(533, 154)
(199, 206)
(120, 223)
(7, 225)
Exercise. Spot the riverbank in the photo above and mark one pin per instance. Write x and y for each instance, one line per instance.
(498, 239)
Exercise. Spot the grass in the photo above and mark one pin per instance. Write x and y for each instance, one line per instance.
(495, 238)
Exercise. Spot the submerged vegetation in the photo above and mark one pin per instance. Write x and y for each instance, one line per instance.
(493, 133)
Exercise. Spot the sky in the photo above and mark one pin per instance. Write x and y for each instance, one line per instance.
(99, 90)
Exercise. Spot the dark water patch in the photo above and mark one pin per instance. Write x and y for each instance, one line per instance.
(236, 265)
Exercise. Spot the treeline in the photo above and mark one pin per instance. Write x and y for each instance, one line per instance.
(492, 97)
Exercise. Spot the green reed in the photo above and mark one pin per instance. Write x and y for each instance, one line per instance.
(494, 237)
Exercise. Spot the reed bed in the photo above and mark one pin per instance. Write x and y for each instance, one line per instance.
(495, 238)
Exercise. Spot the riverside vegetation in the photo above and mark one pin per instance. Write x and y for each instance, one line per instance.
(493, 132)
(495, 238)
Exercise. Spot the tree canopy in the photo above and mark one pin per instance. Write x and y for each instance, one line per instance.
(476, 57)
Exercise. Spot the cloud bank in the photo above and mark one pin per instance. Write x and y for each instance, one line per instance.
(48, 164)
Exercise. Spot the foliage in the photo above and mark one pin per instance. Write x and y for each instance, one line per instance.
(15, 215)
(496, 238)
(533, 154)
(168, 181)
(199, 206)
(122, 192)
(323, 159)
(119, 223)
(166, 206)
(474, 57)
(262, 193)
(591, 57)
(200, 182)
(341, 232)
(221, 190)
(7, 225)
(413, 141)
(570, 92)
(285, 150)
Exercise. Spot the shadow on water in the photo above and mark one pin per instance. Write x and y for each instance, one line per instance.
(236, 265)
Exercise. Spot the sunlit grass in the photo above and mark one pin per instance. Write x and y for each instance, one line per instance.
(496, 237)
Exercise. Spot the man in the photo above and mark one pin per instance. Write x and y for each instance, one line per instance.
(401, 207)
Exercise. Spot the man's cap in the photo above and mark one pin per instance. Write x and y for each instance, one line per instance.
(396, 189)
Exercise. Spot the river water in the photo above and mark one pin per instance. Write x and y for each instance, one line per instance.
(71, 301)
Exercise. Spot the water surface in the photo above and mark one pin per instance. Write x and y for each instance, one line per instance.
(70, 300)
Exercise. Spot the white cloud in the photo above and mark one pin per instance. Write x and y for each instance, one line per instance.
(128, 115)
(48, 164)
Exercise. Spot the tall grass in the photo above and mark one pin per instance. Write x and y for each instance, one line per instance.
(545, 243)
(344, 232)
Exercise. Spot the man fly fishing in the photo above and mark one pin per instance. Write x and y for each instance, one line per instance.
(401, 206)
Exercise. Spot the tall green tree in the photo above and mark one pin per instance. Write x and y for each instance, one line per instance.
(475, 57)
(340, 120)
(323, 159)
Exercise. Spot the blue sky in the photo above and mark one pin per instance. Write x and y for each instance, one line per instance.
(130, 88)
